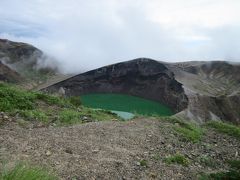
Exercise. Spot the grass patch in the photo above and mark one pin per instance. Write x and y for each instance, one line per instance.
(69, 116)
(25, 172)
(14, 98)
(47, 108)
(232, 174)
(229, 175)
(75, 100)
(225, 128)
(143, 162)
(207, 161)
(177, 159)
(234, 164)
(188, 131)
(50, 99)
(99, 114)
(34, 115)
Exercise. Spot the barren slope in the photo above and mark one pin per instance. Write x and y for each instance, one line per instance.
(116, 150)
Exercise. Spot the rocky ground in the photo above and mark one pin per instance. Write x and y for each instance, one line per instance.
(134, 149)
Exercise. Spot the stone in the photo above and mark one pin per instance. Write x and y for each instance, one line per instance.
(48, 153)
(69, 151)
(85, 118)
(153, 175)
(95, 150)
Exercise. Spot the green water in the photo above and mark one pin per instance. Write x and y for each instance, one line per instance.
(125, 103)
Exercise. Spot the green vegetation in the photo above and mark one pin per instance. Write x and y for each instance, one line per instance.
(207, 161)
(143, 162)
(234, 164)
(188, 131)
(228, 129)
(75, 100)
(69, 116)
(36, 106)
(232, 174)
(125, 103)
(177, 159)
(26, 172)
(34, 115)
(14, 98)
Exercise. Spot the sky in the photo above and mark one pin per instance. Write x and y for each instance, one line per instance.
(85, 34)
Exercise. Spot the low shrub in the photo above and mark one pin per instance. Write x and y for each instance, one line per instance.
(177, 159)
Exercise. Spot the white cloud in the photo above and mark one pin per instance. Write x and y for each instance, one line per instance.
(87, 34)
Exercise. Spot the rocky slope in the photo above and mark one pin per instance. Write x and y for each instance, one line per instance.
(199, 91)
(31, 63)
(135, 149)
(9, 75)
(212, 88)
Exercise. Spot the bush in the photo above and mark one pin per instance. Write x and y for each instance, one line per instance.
(70, 117)
(177, 159)
(34, 115)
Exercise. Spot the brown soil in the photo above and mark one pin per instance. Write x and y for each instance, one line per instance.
(113, 150)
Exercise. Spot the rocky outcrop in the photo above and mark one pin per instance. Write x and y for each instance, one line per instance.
(141, 77)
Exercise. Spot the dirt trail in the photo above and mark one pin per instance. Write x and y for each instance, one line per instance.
(113, 150)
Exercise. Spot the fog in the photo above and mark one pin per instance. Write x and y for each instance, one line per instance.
(83, 35)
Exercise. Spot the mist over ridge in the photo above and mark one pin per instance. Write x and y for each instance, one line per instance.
(83, 35)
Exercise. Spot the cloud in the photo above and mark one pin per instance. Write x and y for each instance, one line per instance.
(87, 34)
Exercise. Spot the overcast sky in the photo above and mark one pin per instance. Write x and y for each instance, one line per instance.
(85, 34)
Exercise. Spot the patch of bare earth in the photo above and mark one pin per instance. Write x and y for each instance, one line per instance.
(114, 150)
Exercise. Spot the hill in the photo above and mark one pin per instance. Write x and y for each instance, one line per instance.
(30, 63)
(44, 136)
(57, 138)
(199, 91)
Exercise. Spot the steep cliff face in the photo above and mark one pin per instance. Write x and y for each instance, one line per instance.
(141, 77)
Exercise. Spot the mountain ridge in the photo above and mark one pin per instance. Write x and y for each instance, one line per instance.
(211, 92)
